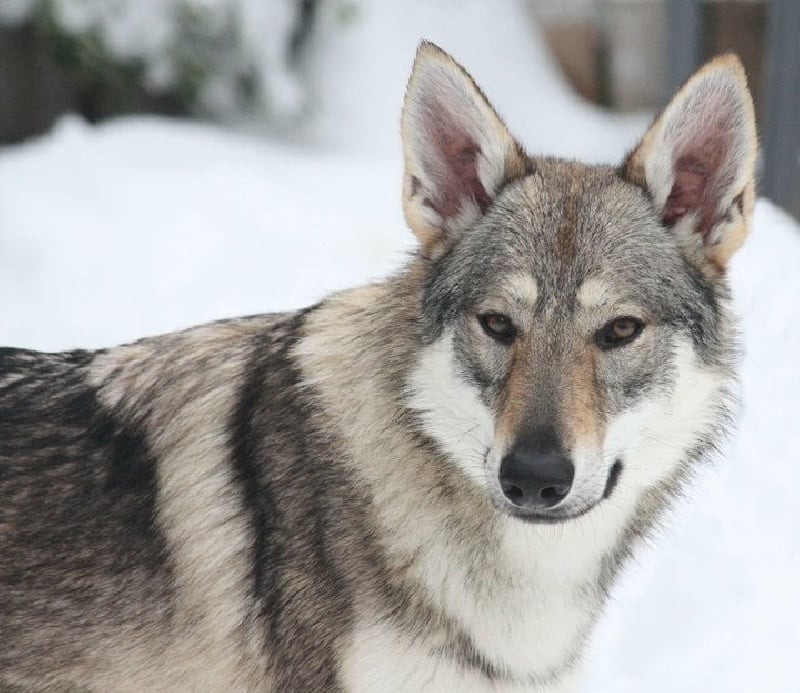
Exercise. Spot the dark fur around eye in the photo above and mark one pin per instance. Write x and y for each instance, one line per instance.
(499, 327)
(618, 332)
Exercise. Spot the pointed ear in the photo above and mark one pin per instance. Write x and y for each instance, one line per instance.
(458, 153)
(697, 162)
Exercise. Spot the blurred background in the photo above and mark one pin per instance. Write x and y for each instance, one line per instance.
(169, 162)
(235, 60)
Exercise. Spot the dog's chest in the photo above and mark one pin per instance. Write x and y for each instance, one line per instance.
(383, 658)
(523, 609)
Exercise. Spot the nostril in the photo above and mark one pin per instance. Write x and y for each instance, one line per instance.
(514, 493)
(553, 494)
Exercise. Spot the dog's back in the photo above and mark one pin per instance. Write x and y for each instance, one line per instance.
(76, 518)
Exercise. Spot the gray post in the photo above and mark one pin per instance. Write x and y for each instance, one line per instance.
(780, 135)
(684, 41)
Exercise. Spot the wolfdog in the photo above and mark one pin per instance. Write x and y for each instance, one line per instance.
(427, 483)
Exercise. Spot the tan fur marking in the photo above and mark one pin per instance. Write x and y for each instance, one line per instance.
(566, 238)
(582, 427)
(515, 393)
(518, 164)
(735, 234)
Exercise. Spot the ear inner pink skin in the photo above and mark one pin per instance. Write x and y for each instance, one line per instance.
(457, 153)
(689, 191)
(699, 176)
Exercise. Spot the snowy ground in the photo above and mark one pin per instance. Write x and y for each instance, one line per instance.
(145, 225)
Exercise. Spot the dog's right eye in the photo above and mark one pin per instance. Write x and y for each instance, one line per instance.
(498, 327)
(618, 332)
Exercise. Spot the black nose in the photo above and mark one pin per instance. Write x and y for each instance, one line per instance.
(536, 473)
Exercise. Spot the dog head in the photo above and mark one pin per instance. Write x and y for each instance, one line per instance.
(576, 339)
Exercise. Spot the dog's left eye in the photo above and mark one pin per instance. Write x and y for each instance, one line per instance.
(498, 327)
(618, 332)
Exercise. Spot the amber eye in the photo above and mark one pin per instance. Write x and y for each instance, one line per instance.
(498, 327)
(618, 332)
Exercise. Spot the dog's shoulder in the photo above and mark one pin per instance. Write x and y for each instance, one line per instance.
(55, 397)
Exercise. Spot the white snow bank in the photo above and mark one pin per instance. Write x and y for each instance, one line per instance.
(142, 226)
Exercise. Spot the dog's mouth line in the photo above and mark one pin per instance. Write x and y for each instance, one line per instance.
(613, 478)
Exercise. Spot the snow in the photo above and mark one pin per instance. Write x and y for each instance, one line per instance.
(146, 225)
